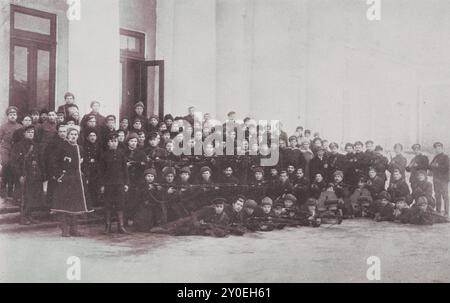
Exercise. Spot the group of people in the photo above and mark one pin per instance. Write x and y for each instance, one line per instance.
(136, 175)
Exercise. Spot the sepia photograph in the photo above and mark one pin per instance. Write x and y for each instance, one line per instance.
(224, 141)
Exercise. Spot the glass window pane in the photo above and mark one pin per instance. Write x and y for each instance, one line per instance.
(133, 44)
(152, 89)
(129, 43)
(19, 96)
(20, 64)
(31, 23)
(43, 79)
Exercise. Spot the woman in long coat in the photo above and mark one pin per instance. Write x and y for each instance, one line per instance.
(70, 196)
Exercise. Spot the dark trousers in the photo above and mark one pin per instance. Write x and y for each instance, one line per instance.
(8, 179)
(114, 197)
(92, 189)
(441, 193)
(51, 185)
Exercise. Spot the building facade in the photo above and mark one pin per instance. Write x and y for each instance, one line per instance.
(94, 49)
(321, 64)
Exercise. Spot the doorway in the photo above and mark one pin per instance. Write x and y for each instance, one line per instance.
(142, 81)
(32, 59)
(130, 86)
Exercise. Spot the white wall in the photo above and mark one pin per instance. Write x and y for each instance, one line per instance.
(316, 63)
(186, 40)
(94, 52)
(234, 48)
(140, 15)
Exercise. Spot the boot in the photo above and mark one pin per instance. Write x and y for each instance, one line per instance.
(25, 220)
(107, 222)
(120, 228)
(10, 191)
(2, 187)
(34, 220)
(74, 227)
(65, 225)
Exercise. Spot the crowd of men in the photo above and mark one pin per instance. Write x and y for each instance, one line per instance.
(134, 173)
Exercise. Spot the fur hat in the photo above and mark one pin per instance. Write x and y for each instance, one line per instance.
(168, 170)
(185, 169)
(266, 201)
(250, 204)
(338, 173)
(258, 170)
(131, 135)
(290, 197)
(150, 171)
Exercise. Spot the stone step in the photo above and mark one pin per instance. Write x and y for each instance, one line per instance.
(10, 222)
(13, 216)
(17, 228)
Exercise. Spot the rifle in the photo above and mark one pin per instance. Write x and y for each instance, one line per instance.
(215, 186)
(234, 229)
(302, 219)
(263, 224)
(131, 162)
(332, 211)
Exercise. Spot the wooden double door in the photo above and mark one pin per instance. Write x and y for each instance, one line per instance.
(142, 81)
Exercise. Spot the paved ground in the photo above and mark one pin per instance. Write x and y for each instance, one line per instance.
(333, 254)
